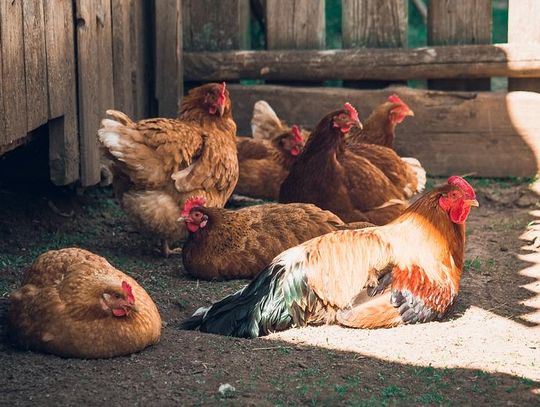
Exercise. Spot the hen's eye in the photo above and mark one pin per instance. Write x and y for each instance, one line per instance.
(117, 296)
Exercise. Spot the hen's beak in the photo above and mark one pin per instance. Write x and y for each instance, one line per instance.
(472, 202)
(221, 109)
(181, 219)
(133, 307)
(409, 113)
(358, 123)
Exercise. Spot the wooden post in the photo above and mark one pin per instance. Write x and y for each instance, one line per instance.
(211, 25)
(62, 96)
(295, 24)
(141, 52)
(452, 22)
(95, 79)
(34, 63)
(169, 79)
(524, 27)
(12, 85)
(374, 24)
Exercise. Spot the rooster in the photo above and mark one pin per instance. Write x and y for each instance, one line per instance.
(330, 176)
(225, 244)
(264, 164)
(405, 272)
(73, 303)
(375, 142)
(159, 163)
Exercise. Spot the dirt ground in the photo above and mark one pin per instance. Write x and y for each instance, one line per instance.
(485, 353)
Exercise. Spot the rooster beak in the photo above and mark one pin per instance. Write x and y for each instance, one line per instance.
(409, 113)
(473, 202)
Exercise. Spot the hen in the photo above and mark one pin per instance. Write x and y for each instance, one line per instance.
(73, 303)
(405, 272)
(331, 176)
(375, 142)
(266, 125)
(264, 164)
(225, 244)
(159, 163)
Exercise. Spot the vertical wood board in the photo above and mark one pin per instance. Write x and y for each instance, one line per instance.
(524, 27)
(454, 22)
(35, 64)
(13, 86)
(95, 80)
(294, 24)
(62, 92)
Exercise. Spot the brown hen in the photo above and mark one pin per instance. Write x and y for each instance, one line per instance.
(329, 175)
(159, 163)
(73, 303)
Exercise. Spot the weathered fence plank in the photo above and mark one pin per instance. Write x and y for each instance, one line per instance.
(292, 24)
(210, 25)
(141, 51)
(524, 28)
(374, 24)
(168, 63)
(13, 86)
(62, 95)
(34, 63)
(455, 22)
(391, 64)
(451, 132)
(123, 60)
(95, 79)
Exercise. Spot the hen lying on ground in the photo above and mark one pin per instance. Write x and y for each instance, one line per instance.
(405, 272)
(329, 175)
(225, 244)
(159, 163)
(73, 303)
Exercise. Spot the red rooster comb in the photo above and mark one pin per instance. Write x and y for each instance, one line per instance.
(463, 185)
(395, 99)
(297, 133)
(191, 203)
(128, 291)
(352, 111)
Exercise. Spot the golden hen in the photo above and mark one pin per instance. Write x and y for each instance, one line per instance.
(73, 303)
(159, 163)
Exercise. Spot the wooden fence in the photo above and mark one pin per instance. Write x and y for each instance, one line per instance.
(63, 63)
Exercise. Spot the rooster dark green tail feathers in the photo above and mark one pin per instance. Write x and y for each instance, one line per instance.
(265, 305)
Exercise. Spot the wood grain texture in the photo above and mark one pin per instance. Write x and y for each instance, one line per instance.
(387, 64)
(62, 96)
(295, 24)
(451, 132)
(141, 51)
(124, 64)
(13, 87)
(34, 64)
(523, 27)
(168, 56)
(455, 22)
(210, 25)
(95, 79)
(374, 23)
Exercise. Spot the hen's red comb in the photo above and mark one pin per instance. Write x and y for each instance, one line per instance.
(352, 111)
(128, 291)
(395, 99)
(191, 203)
(297, 133)
(463, 185)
